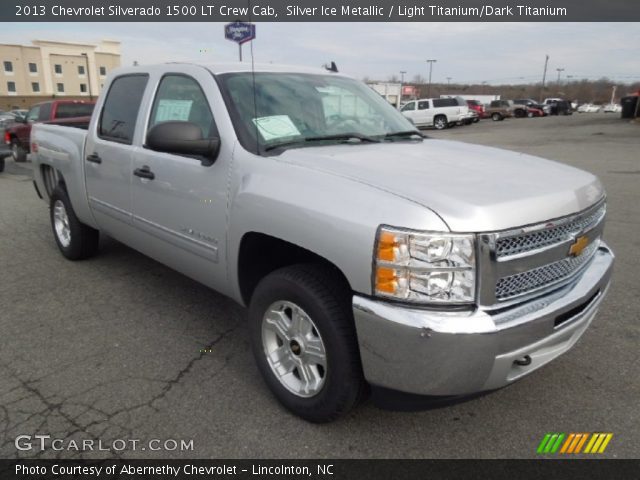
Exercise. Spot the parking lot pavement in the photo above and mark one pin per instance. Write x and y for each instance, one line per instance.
(121, 347)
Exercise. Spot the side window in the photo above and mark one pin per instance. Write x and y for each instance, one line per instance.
(180, 98)
(45, 112)
(34, 114)
(424, 105)
(120, 110)
(409, 106)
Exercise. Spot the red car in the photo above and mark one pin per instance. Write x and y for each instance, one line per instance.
(63, 112)
(477, 107)
(535, 112)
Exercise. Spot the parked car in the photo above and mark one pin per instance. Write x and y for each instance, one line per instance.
(588, 108)
(436, 112)
(19, 113)
(367, 255)
(478, 107)
(558, 106)
(527, 107)
(68, 112)
(500, 109)
(612, 108)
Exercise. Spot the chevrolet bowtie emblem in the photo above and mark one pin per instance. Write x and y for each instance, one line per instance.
(578, 246)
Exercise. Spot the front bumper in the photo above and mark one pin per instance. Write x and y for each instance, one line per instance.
(437, 353)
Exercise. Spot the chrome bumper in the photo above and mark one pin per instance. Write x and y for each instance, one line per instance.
(431, 352)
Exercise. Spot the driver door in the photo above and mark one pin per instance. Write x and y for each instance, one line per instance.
(178, 200)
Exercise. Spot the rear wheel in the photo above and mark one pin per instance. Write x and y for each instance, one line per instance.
(496, 117)
(18, 153)
(440, 122)
(304, 341)
(75, 240)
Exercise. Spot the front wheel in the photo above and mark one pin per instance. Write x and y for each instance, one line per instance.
(75, 240)
(304, 341)
(18, 153)
(496, 117)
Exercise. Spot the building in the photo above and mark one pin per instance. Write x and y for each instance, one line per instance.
(390, 91)
(47, 69)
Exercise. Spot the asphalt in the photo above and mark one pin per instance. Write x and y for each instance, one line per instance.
(112, 348)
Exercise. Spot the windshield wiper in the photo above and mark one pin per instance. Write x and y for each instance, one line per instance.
(358, 137)
(407, 133)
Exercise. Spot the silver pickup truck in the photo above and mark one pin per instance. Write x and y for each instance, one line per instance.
(370, 257)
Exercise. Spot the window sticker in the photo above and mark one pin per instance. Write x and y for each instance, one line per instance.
(173, 110)
(276, 126)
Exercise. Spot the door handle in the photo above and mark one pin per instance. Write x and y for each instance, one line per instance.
(94, 158)
(144, 172)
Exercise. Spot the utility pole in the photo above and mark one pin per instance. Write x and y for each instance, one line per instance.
(544, 76)
(402, 72)
(430, 62)
(448, 81)
(559, 70)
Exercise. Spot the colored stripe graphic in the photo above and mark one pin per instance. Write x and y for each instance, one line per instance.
(572, 443)
(550, 443)
(598, 442)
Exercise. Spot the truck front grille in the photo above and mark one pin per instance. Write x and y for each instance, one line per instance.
(556, 232)
(519, 263)
(541, 277)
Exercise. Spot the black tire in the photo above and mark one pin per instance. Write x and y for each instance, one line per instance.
(440, 122)
(476, 119)
(18, 153)
(83, 240)
(496, 117)
(1, 164)
(322, 294)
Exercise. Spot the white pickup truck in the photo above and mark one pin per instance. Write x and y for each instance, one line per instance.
(370, 257)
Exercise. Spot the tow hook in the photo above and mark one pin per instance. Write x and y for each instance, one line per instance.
(524, 361)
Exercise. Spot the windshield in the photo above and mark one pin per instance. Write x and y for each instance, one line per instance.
(297, 110)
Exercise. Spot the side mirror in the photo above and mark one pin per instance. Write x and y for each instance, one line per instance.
(183, 138)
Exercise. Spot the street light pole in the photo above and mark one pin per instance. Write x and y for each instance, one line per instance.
(559, 70)
(86, 58)
(430, 62)
(402, 72)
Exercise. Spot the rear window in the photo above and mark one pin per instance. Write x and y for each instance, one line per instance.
(445, 102)
(71, 110)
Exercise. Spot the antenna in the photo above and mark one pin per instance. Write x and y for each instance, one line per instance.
(253, 78)
(332, 68)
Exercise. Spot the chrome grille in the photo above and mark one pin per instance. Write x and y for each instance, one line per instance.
(526, 242)
(531, 280)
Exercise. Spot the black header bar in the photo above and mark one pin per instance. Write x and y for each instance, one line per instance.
(319, 11)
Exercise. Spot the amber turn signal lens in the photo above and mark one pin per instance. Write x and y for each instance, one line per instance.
(386, 280)
(386, 244)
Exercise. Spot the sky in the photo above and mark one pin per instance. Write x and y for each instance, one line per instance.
(495, 53)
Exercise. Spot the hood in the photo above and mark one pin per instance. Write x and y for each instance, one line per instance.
(471, 187)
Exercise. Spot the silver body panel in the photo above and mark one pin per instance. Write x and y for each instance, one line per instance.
(331, 200)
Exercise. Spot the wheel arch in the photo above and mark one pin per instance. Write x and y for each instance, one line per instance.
(261, 254)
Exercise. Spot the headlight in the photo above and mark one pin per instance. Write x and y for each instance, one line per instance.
(423, 267)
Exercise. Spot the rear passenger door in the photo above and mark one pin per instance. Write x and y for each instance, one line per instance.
(109, 155)
(179, 201)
